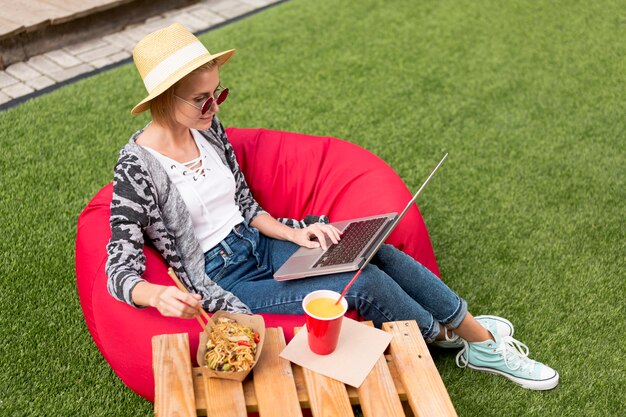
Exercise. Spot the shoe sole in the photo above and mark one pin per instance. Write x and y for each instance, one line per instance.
(524, 383)
(500, 319)
(439, 345)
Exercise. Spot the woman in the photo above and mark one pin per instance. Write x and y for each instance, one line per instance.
(177, 183)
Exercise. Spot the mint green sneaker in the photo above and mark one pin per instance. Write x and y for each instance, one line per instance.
(508, 357)
(496, 325)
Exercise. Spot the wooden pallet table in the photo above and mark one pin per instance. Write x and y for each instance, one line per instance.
(404, 381)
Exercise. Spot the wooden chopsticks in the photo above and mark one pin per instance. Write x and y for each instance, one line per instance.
(181, 287)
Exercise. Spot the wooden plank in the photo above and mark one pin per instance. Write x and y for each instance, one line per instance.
(199, 390)
(327, 396)
(274, 385)
(393, 369)
(377, 394)
(298, 376)
(425, 390)
(248, 391)
(173, 385)
(354, 394)
(220, 397)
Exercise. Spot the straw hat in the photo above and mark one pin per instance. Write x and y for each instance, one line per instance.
(166, 56)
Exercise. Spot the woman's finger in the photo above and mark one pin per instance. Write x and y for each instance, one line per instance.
(180, 304)
(333, 233)
(306, 238)
(321, 238)
(191, 306)
(171, 307)
(190, 300)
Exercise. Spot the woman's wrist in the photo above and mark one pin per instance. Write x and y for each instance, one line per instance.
(271, 227)
(291, 234)
(155, 294)
(147, 294)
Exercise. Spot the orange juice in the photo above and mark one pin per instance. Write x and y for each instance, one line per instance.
(324, 308)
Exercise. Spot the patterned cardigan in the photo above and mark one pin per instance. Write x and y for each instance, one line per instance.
(146, 203)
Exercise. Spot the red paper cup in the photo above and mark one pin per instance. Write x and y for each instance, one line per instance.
(323, 329)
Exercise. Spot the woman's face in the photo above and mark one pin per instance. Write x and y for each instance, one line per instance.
(192, 91)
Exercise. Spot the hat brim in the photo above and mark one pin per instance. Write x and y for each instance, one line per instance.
(221, 58)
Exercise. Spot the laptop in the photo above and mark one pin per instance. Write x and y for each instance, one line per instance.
(360, 240)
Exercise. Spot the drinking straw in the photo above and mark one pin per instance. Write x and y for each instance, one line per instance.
(349, 285)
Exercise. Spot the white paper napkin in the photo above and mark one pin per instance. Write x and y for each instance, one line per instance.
(358, 349)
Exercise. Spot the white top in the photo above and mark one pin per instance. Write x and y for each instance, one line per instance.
(208, 191)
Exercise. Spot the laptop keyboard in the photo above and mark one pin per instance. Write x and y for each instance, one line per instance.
(354, 238)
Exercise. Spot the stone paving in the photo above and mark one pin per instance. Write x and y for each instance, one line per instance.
(24, 79)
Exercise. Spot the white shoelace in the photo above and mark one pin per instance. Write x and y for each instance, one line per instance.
(453, 336)
(513, 352)
(461, 362)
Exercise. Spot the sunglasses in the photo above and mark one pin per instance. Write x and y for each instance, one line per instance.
(220, 92)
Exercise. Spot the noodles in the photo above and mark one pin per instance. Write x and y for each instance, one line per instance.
(234, 351)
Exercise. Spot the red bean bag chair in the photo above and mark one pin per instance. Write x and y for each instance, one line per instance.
(291, 175)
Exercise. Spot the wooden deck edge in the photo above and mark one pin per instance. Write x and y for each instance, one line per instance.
(23, 42)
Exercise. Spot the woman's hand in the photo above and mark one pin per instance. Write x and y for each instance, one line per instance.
(314, 235)
(172, 302)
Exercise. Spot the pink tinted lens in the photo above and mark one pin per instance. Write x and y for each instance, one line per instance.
(207, 105)
(222, 97)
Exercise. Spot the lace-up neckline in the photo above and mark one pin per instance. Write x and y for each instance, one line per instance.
(193, 169)
(196, 167)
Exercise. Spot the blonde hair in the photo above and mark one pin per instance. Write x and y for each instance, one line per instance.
(162, 106)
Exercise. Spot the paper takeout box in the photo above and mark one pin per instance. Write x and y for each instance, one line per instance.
(255, 322)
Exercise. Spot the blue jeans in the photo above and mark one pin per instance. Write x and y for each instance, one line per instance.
(392, 287)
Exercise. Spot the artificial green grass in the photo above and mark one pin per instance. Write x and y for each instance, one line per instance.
(526, 216)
